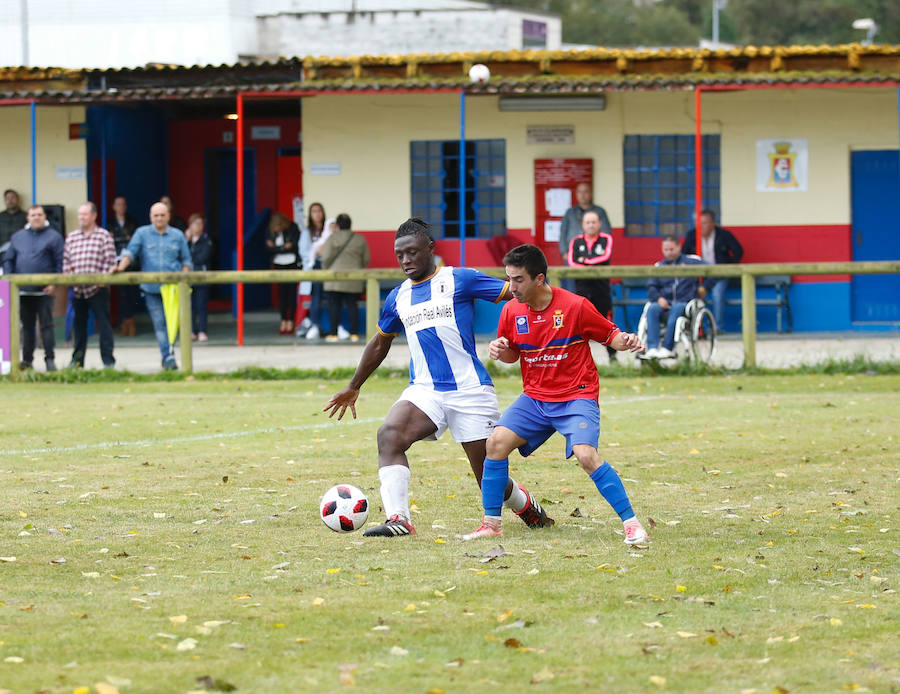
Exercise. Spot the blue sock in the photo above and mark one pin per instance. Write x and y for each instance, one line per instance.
(493, 485)
(610, 486)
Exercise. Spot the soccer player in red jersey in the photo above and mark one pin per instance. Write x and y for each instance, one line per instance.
(548, 330)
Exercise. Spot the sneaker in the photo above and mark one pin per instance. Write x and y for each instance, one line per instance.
(304, 326)
(652, 353)
(24, 365)
(51, 365)
(313, 333)
(395, 526)
(664, 353)
(354, 338)
(343, 333)
(489, 527)
(170, 365)
(331, 338)
(75, 365)
(202, 337)
(109, 367)
(635, 533)
(533, 515)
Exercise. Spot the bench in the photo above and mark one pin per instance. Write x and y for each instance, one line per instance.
(781, 301)
(626, 296)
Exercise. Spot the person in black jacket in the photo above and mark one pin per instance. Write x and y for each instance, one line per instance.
(36, 249)
(121, 226)
(718, 246)
(201, 254)
(282, 242)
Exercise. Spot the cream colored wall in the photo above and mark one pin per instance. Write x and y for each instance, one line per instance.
(369, 136)
(54, 148)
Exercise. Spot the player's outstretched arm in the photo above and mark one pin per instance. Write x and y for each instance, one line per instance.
(627, 341)
(500, 350)
(374, 353)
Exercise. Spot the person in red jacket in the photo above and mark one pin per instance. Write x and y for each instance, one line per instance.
(591, 248)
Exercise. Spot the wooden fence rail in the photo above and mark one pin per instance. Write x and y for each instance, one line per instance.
(373, 278)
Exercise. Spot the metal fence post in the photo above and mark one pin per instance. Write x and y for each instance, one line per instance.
(373, 306)
(184, 331)
(748, 318)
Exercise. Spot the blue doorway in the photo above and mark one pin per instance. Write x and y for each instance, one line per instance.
(875, 180)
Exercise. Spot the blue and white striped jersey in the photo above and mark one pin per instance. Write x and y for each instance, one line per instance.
(437, 316)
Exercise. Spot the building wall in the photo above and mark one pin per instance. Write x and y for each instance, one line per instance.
(104, 33)
(371, 133)
(58, 157)
(399, 32)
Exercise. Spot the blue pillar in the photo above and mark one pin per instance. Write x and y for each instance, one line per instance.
(103, 205)
(34, 200)
(462, 178)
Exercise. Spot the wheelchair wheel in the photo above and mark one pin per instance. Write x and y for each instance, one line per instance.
(703, 334)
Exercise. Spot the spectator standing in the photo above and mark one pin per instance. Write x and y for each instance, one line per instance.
(591, 248)
(344, 250)
(282, 243)
(319, 231)
(122, 226)
(201, 253)
(37, 248)
(174, 219)
(668, 297)
(159, 248)
(571, 223)
(718, 246)
(89, 249)
(12, 218)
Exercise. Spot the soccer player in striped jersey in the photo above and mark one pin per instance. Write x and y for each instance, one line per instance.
(548, 330)
(449, 386)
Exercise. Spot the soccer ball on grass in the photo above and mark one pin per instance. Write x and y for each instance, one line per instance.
(344, 508)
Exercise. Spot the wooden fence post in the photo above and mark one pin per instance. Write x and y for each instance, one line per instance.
(184, 327)
(13, 329)
(748, 318)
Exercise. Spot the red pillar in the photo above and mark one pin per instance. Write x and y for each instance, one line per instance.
(698, 166)
(240, 215)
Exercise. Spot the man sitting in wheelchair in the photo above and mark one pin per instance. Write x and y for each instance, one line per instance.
(668, 297)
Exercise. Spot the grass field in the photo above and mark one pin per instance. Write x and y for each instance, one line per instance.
(155, 533)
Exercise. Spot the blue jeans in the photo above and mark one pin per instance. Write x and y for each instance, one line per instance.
(716, 286)
(654, 315)
(158, 318)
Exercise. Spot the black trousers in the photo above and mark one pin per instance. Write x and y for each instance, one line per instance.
(337, 301)
(199, 307)
(40, 309)
(98, 304)
(598, 293)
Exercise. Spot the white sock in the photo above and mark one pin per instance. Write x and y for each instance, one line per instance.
(395, 490)
(517, 498)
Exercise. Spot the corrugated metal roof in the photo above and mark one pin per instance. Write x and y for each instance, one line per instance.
(534, 72)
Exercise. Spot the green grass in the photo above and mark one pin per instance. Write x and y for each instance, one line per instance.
(773, 560)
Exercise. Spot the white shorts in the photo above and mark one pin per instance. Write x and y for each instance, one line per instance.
(470, 414)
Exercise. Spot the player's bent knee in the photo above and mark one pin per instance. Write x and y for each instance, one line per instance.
(587, 456)
(502, 442)
(391, 439)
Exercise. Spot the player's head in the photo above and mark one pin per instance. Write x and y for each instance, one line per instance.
(526, 269)
(414, 249)
(671, 248)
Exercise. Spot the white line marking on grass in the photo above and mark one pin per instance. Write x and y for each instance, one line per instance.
(183, 439)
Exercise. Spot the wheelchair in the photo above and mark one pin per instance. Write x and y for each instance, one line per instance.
(695, 331)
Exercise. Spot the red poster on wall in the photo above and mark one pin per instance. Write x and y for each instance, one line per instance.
(555, 181)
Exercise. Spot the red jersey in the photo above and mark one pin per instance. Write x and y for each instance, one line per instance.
(553, 345)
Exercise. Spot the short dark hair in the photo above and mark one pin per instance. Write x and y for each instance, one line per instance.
(529, 257)
(709, 213)
(120, 196)
(671, 237)
(10, 190)
(414, 226)
(91, 206)
(343, 221)
(37, 207)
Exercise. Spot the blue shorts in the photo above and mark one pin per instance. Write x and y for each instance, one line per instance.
(535, 421)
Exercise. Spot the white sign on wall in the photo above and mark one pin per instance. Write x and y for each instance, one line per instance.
(265, 132)
(69, 173)
(550, 134)
(782, 165)
(325, 168)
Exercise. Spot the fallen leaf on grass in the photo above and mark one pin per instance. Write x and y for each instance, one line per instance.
(686, 634)
(215, 685)
(398, 651)
(542, 675)
(512, 643)
(106, 688)
(652, 625)
(657, 680)
(506, 615)
(577, 513)
(187, 644)
(58, 560)
(7, 560)
(178, 619)
(13, 659)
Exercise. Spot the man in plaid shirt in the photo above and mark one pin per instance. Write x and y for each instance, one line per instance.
(90, 250)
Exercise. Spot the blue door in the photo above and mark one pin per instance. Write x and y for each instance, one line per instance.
(876, 233)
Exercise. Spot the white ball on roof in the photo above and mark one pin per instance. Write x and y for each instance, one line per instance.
(479, 73)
